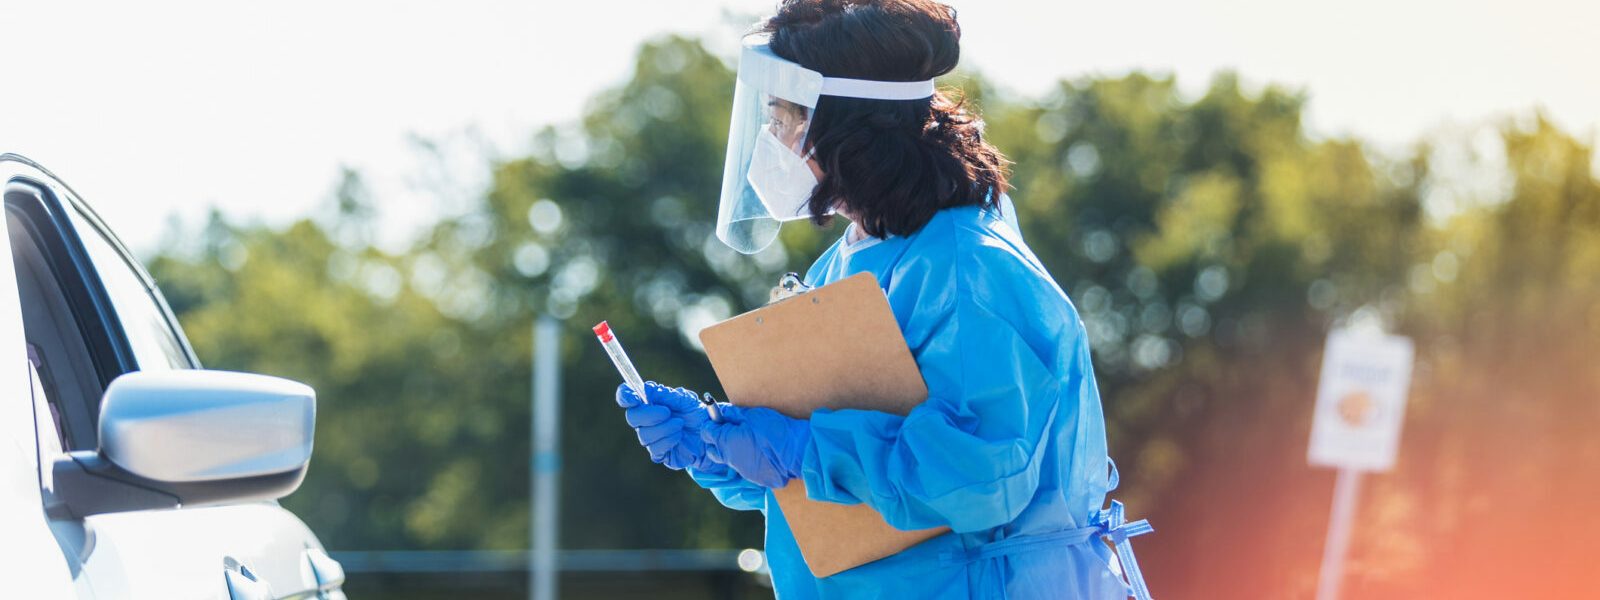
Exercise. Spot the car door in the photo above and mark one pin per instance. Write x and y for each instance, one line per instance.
(104, 318)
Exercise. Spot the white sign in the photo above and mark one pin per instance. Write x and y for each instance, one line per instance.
(1361, 401)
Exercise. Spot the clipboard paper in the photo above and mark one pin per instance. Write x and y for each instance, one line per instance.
(837, 346)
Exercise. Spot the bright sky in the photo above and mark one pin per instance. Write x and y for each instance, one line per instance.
(169, 107)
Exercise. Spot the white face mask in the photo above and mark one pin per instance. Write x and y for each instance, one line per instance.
(781, 179)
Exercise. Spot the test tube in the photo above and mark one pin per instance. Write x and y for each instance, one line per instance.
(619, 357)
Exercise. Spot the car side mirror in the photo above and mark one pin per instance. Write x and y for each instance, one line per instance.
(189, 437)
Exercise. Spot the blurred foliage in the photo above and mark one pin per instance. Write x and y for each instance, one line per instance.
(1209, 243)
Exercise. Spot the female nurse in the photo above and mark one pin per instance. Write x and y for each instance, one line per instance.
(836, 113)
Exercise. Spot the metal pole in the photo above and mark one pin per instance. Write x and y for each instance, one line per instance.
(545, 475)
(1346, 489)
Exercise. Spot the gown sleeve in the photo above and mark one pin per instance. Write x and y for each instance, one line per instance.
(969, 457)
(732, 490)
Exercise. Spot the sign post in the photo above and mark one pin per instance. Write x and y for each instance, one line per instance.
(1361, 401)
(546, 460)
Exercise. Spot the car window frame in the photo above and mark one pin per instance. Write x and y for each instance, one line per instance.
(84, 298)
(112, 352)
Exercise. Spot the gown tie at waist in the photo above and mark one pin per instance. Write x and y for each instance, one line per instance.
(1113, 526)
(1110, 524)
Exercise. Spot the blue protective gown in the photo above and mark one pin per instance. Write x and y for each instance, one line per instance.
(1010, 443)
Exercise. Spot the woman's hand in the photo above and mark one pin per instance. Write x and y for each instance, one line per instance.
(669, 426)
(764, 446)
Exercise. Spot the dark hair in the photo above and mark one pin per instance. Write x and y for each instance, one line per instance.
(891, 163)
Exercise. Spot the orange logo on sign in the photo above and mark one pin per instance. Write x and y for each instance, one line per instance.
(1357, 408)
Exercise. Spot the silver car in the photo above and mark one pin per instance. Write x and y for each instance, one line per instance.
(126, 471)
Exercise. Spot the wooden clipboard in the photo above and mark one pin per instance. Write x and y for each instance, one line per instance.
(837, 346)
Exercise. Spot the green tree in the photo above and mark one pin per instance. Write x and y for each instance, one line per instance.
(1496, 474)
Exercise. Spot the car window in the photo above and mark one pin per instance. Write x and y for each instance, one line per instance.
(155, 344)
(57, 333)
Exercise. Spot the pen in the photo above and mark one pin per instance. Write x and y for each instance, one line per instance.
(711, 407)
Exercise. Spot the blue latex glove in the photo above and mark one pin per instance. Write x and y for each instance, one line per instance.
(669, 426)
(764, 446)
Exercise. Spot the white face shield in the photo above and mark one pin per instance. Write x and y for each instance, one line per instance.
(767, 178)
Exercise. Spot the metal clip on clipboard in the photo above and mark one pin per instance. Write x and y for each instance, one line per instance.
(789, 286)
